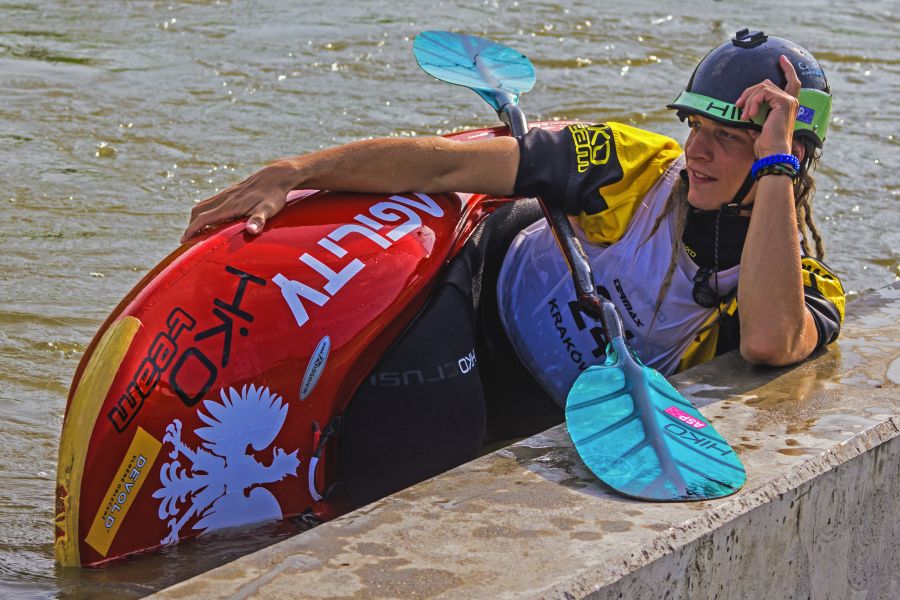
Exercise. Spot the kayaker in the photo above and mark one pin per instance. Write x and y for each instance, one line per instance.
(678, 239)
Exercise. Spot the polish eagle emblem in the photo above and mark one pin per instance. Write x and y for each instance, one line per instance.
(223, 484)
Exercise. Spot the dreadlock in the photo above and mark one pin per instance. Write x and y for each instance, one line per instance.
(804, 188)
(677, 204)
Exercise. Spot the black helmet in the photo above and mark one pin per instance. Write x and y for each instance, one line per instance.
(749, 58)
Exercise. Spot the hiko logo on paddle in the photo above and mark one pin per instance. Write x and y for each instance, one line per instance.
(685, 418)
(698, 439)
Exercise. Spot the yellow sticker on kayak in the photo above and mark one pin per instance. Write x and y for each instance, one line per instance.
(131, 475)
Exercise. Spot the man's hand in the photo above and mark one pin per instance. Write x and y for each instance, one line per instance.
(778, 129)
(260, 197)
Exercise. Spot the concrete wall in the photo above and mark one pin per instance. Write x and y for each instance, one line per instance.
(835, 535)
(818, 517)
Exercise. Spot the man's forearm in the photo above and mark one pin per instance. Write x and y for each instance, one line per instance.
(379, 166)
(391, 165)
(776, 327)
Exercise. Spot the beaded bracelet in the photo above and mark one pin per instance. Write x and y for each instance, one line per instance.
(787, 160)
(777, 169)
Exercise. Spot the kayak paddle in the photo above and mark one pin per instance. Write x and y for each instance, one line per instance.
(632, 429)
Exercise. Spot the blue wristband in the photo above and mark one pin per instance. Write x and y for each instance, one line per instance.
(775, 159)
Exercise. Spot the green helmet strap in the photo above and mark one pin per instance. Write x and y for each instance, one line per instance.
(813, 114)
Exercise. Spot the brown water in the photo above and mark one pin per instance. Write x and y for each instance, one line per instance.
(116, 116)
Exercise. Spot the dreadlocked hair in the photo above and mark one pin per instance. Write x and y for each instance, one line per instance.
(677, 204)
(804, 188)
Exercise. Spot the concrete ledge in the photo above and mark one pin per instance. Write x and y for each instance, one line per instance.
(818, 517)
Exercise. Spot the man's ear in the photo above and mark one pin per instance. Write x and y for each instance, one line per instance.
(798, 150)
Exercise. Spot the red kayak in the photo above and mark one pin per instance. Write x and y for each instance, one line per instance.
(204, 401)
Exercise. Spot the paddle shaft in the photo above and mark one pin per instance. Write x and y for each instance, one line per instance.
(676, 468)
(603, 309)
(594, 305)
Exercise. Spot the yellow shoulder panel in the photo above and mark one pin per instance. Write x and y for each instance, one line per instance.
(643, 156)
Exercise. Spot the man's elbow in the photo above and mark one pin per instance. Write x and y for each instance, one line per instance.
(779, 346)
(766, 352)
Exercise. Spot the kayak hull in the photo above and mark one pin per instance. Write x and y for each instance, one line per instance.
(205, 399)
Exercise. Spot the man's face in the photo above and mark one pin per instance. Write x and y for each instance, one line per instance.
(718, 160)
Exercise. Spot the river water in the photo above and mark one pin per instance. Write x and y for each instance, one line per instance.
(115, 117)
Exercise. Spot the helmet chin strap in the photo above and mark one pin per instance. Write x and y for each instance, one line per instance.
(734, 207)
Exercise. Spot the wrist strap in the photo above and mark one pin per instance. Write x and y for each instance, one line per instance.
(784, 164)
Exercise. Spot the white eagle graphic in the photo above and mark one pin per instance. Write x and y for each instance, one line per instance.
(223, 483)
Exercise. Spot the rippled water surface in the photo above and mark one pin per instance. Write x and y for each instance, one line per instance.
(116, 116)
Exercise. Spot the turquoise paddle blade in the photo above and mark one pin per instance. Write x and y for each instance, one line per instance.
(638, 435)
(499, 74)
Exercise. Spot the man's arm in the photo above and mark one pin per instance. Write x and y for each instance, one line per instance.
(432, 164)
(776, 327)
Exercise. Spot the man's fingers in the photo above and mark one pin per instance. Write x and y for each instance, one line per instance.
(262, 212)
(216, 200)
(751, 104)
(202, 207)
(259, 215)
(212, 202)
(251, 198)
(209, 217)
(256, 223)
(793, 82)
(194, 227)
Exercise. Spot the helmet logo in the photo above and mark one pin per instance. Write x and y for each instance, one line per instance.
(809, 70)
(728, 111)
(805, 114)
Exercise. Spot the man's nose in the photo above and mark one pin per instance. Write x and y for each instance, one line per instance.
(698, 146)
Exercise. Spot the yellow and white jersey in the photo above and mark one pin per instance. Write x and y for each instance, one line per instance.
(616, 179)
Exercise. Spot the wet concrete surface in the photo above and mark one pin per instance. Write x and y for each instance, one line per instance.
(818, 516)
